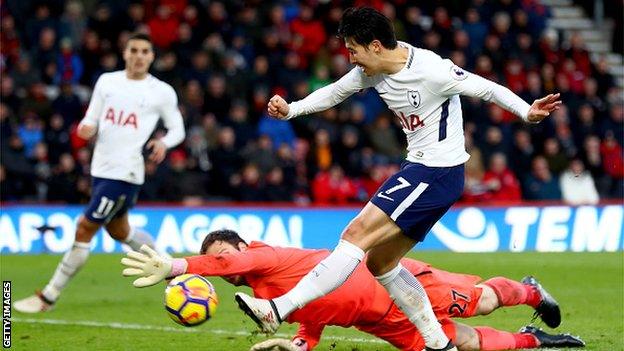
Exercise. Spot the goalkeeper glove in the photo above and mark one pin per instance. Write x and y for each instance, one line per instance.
(151, 267)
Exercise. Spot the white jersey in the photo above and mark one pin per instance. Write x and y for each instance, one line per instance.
(125, 112)
(424, 96)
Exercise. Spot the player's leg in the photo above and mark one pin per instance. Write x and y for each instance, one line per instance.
(71, 263)
(119, 229)
(489, 339)
(527, 292)
(98, 211)
(367, 228)
(108, 197)
(414, 201)
(406, 291)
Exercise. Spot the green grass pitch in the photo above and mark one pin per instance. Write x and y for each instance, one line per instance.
(100, 310)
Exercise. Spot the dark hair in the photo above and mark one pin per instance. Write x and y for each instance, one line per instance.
(365, 24)
(229, 236)
(139, 36)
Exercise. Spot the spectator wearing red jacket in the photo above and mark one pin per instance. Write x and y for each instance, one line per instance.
(163, 27)
(308, 34)
(333, 187)
(501, 182)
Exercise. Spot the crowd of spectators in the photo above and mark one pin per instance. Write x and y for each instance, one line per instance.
(226, 58)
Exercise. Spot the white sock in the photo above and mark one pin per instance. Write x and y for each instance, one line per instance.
(137, 237)
(327, 276)
(409, 295)
(71, 263)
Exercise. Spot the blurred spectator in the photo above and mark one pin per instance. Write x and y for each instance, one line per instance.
(226, 162)
(414, 28)
(501, 183)
(181, 182)
(90, 53)
(73, 22)
(321, 155)
(239, 121)
(45, 53)
(261, 154)
(69, 64)
(9, 39)
(24, 75)
(163, 27)
(42, 169)
(280, 132)
(6, 122)
(68, 104)
(8, 97)
(557, 160)
(384, 138)
(577, 185)
(217, 101)
(62, 184)
(308, 34)
(37, 102)
(57, 138)
(31, 133)
(333, 187)
(613, 164)
(614, 125)
(603, 77)
(276, 188)
(7, 191)
(522, 152)
(35, 25)
(348, 151)
(474, 188)
(540, 184)
(249, 184)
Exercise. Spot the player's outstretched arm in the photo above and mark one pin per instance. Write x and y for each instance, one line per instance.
(321, 99)
(150, 267)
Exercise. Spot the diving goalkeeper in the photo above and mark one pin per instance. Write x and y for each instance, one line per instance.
(361, 302)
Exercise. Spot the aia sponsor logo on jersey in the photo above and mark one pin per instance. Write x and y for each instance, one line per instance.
(122, 119)
(410, 122)
(413, 96)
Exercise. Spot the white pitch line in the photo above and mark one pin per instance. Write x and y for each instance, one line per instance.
(126, 326)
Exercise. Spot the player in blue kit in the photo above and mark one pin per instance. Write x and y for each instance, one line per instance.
(124, 110)
(422, 90)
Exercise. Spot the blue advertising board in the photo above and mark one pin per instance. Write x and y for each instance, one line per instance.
(50, 229)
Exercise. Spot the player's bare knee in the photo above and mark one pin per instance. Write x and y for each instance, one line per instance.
(85, 230)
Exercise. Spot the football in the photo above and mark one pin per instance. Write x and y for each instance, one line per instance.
(190, 300)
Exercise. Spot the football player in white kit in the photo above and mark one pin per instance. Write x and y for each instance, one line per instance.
(422, 90)
(123, 112)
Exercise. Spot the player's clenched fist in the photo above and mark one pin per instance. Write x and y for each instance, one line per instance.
(278, 107)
